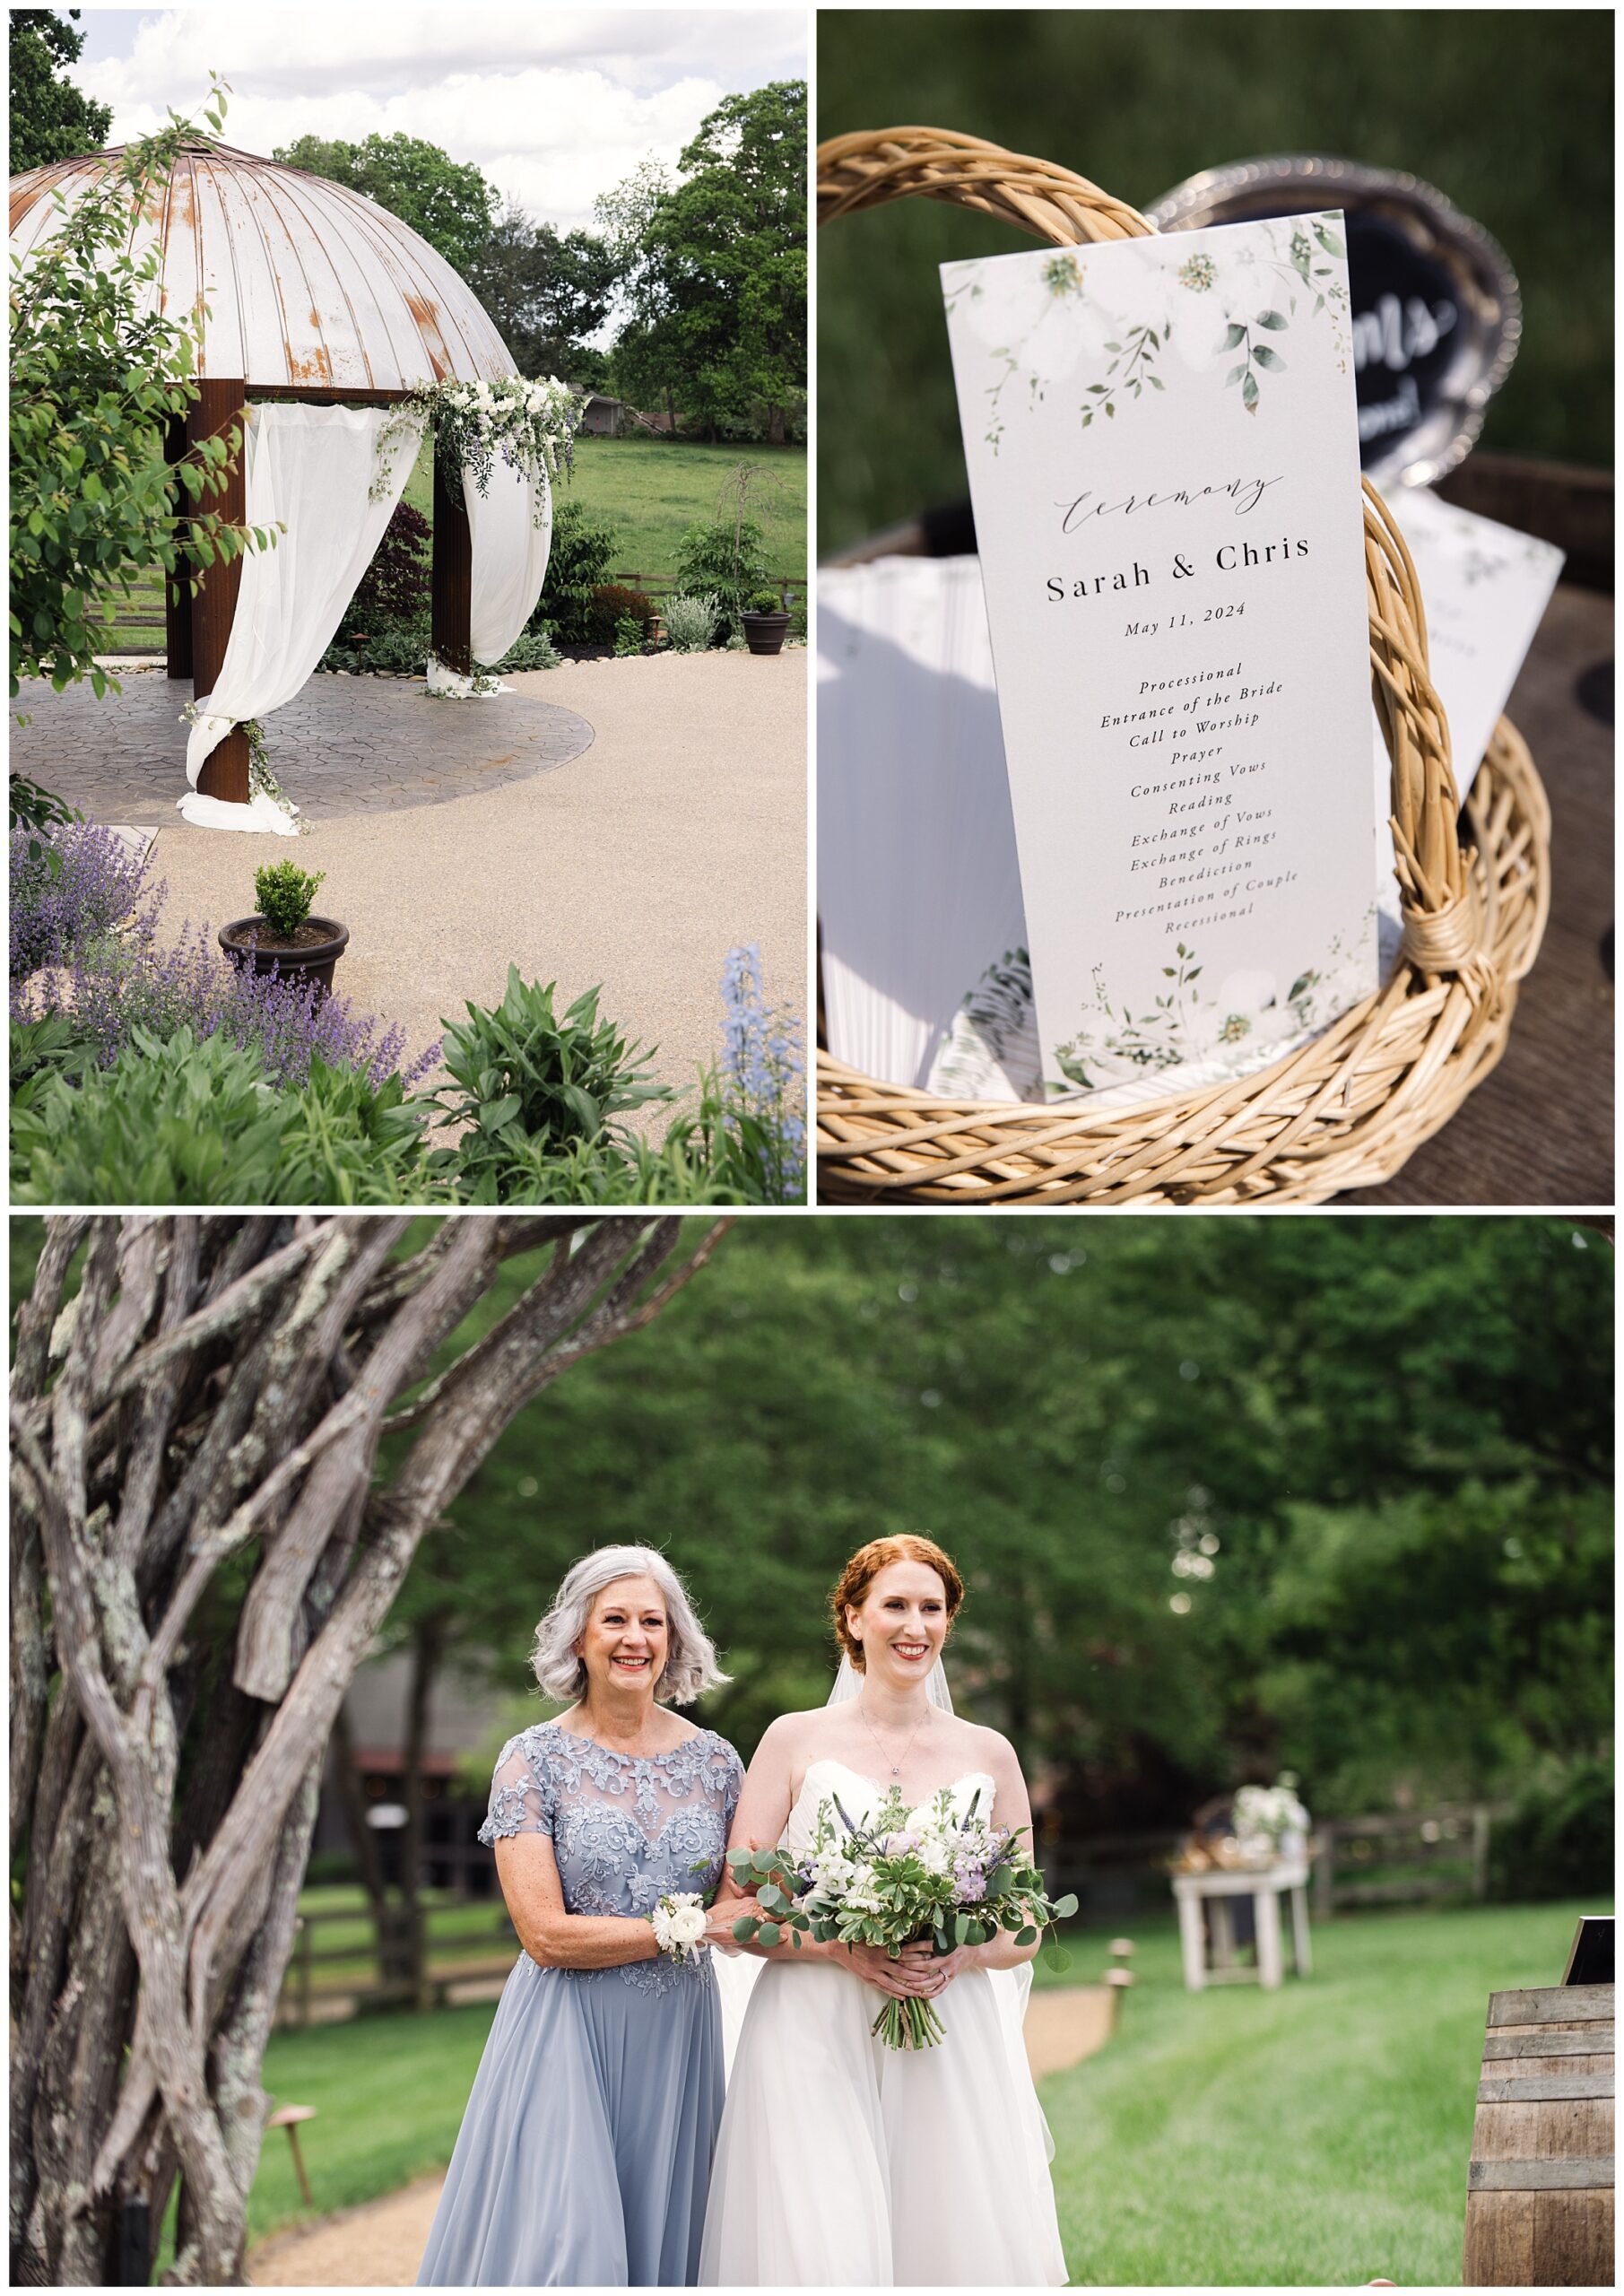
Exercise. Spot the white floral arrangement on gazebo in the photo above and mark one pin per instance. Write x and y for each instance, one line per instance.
(1270, 1821)
(528, 422)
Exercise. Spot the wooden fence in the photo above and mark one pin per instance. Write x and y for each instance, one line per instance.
(309, 1998)
(1396, 1858)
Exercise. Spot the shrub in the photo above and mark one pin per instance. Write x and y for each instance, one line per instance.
(36, 809)
(582, 552)
(613, 602)
(532, 649)
(728, 557)
(630, 635)
(179, 1121)
(282, 894)
(395, 648)
(764, 601)
(1558, 1841)
(797, 616)
(395, 588)
(522, 1072)
(69, 885)
(691, 622)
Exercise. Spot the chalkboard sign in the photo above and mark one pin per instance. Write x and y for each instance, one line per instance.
(1436, 309)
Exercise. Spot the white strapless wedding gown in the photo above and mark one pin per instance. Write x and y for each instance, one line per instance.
(842, 2163)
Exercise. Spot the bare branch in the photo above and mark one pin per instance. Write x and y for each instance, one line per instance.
(37, 1318)
(218, 1318)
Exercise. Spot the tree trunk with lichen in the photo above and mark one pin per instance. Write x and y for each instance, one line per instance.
(205, 1541)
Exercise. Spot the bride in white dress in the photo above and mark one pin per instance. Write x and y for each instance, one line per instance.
(841, 2163)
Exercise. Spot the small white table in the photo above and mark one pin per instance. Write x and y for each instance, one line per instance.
(1265, 1888)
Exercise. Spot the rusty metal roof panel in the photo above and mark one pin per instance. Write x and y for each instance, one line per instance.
(307, 283)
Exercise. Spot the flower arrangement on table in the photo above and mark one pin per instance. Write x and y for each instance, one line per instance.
(905, 1876)
(529, 421)
(1267, 1823)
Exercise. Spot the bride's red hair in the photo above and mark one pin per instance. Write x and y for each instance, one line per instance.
(865, 1566)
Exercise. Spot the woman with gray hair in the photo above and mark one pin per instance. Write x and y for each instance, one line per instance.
(584, 2158)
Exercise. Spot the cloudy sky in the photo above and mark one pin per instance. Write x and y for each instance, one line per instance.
(553, 105)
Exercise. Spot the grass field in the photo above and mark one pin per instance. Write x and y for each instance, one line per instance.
(649, 489)
(1319, 2135)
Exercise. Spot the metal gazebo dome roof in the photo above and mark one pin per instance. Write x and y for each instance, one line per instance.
(308, 285)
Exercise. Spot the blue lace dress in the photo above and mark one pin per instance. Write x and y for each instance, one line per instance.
(584, 2158)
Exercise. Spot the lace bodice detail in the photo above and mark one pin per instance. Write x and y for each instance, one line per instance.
(626, 1828)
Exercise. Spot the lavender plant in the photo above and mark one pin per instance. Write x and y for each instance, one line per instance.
(68, 887)
(119, 985)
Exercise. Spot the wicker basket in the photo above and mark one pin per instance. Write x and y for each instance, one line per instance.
(1345, 1111)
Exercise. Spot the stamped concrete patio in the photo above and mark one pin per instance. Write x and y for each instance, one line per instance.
(622, 823)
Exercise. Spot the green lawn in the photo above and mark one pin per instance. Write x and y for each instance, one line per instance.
(650, 489)
(1317, 2135)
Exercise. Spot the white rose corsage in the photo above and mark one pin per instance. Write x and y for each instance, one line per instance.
(678, 1922)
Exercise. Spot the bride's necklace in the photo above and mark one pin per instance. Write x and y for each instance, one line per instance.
(895, 1767)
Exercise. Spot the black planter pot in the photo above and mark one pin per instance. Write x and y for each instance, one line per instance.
(764, 633)
(240, 943)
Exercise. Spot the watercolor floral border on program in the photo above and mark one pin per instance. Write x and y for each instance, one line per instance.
(992, 1046)
(1247, 294)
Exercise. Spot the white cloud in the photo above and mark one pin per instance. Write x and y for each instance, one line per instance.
(555, 106)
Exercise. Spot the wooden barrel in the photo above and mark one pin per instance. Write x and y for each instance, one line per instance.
(1538, 2199)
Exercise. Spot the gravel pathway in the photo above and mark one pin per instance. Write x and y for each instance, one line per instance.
(679, 832)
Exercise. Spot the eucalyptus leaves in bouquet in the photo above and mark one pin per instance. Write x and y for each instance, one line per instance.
(528, 422)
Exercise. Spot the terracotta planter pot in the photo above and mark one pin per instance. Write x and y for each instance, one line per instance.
(250, 941)
(764, 633)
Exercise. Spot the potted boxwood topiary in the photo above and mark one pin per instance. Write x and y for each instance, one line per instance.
(766, 622)
(284, 935)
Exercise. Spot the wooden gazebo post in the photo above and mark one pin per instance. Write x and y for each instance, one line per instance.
(451, 578)
(220, 407)
(222, 404)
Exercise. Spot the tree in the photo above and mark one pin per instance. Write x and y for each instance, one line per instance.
(544, 293)
(50, 120)
(229, 1438)
(447, 202)
(715, 269)
(1371, 1459)
(99, 378)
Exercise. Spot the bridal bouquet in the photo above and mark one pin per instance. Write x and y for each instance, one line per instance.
(904, 1876)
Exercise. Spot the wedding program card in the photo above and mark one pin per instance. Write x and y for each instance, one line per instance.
(1484, 588)
(1163, 449)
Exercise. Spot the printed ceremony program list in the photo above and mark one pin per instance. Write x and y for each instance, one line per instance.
(1163, 448)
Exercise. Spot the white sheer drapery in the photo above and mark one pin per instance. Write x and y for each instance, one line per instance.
(310, 469)
(509, 552)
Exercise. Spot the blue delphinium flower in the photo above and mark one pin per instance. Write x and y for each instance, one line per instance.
(761, 1080)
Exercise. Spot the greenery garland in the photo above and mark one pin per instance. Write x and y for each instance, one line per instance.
(529, 422)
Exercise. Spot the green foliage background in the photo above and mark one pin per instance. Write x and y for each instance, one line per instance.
(1509, 113)
(1398, 1432)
